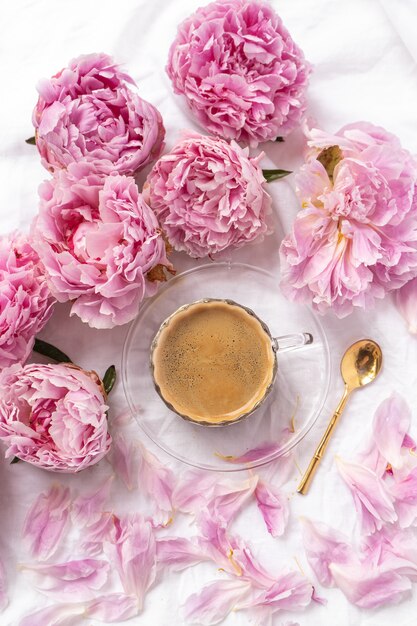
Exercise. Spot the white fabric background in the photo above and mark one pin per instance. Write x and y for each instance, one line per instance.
(364, 54)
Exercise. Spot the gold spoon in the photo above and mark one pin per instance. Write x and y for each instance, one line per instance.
(361, 364)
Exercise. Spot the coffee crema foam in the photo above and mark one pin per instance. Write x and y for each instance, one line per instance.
(213, 362)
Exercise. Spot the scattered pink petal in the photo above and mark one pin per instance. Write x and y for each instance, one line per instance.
(370, 588)
(390, 425)
(98, 532)
(229, 496)
(274, 507)
(392, 549)
(290, 592)
(4, 601)
(178, 553)
(405, 495)
(124, 460)
(113, 607)
(251, 570)
(371, 497)
(134, 555)
(406, 301)
(87, 510)
(255, 454)
(46, 520)
(82, 578)
(318, 599)
(56, 615)
(157, 480)
(215, 601)
(324, 546)
(191, 494)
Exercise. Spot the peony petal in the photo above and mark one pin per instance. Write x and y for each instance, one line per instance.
(4, 601)
(82, 578)
(87, 510)
(46, 520)
(56, 615)
(133, 553)
(191, 494)
(124, 460)
(406, 301)
(290, 592)
(157, 480)
(324, 546)
(405, 496)
(113, 607)
(390, 425)
(274, 507)
(97, 533)
(370, 589)
(178, 553)
(215, 601)
(372, 500)
(229, 496)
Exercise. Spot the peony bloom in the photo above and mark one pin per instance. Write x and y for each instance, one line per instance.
(242, 75)
(88, 111)
(25, 300)
(53, 416)
(355, 237)
(208, 195)
(100, 243)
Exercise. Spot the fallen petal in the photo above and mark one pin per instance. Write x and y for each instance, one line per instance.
(113, 607)
(391, 423)
(323, 546)
(274, 507)
(56, 615)
(87, 510)
(178, 553)
(124, 459)
(215, 601)
(371, 497)
(406, 301)
(193, 491)
(97, 533)
(157, 480)
(83, 578)
(46, 520)
(290, 592)
(229, 496)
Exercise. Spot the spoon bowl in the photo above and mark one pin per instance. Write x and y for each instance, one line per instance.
(361, 364)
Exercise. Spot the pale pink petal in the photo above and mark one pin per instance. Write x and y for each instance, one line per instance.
(134, 555)
(215, 601)
(390, 425)
(370, 589)
(229, 496)
(318, 599)
(64, 581)
(157, 480)
(371, 497)
(290, 592)
(98, 532)
(46, 520)
(405, 496)
(124, 460)
(392, 549)
(253, 455)
(178, 553)
(192, 492)
(323, 546)
(406, 301)
(250, 570)
(274, 507)
(4, 601)
(87, 510)
(113, 607)
(56, 615)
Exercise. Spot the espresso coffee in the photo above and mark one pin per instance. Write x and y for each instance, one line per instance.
(213, 361)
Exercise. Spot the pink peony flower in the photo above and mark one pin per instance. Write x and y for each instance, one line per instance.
(100, 244)
(208, 195)
(53, 416)
(88, 111)
(241, 73)
(25, 300)
(355, 237)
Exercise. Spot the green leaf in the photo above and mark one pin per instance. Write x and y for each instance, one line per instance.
(279, 139)
(109, 379)
(42, 347)
(329, 158)
(271, 175)
(31, 141)
(14, 460)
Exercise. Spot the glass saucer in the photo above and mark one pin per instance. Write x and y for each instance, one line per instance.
(299, 391)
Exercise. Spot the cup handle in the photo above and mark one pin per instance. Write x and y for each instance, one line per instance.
(291, 342)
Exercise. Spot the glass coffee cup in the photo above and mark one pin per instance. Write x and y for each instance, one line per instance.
(214, 361)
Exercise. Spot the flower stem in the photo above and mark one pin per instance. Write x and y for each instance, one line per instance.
(109, 379)
(31, 141)
(42, 347)
(271, 175)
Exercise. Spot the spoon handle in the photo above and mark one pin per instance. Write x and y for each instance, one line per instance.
(306, 480)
